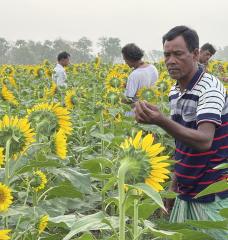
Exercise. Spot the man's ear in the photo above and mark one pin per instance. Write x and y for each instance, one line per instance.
(196, 54)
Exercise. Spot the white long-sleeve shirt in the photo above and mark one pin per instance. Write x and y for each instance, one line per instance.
(59, 75)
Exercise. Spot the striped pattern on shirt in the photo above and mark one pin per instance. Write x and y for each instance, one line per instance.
(204, 100)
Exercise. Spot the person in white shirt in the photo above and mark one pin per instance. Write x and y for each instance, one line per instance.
(143, 75)
(59, 73)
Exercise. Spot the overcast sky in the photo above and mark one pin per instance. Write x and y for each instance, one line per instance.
(140, 21)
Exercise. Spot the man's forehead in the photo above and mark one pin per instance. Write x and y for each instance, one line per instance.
(206, 51)
(177, 44)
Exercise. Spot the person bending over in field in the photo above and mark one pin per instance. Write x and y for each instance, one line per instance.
(143, 74)
(199, 124)
(59, 74)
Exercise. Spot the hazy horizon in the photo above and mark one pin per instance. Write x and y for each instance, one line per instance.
(143, 22)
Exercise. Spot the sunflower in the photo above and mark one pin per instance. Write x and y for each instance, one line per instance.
(97, 62)
(114, 80)
(43, 223)
(40, 181)
(148, 94)
(39, 71)
(48, 72)
(52, 114)
(8, 95)
(8, 70)
(50, 92)
(163, 86)
(112, 97)
(11, 80)
(225, 66)
(61, 144)
(148, 166)
(70, 99)
(212, 66)
(4, 234)
(46, 63)
(1, 156)
(6, 197)
(19, 131)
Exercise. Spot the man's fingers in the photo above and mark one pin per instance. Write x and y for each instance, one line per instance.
(152, 107)
(145, 109)
(141, 116)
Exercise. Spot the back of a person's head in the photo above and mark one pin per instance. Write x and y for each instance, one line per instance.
(132, 52)
(63, 55)
(209, 47)
(190, 36)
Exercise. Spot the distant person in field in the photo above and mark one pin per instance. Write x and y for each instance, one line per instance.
(198, 123)
(206, 52)
(143, 74)
(59, 74)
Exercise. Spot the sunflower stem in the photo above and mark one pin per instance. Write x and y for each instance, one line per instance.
(7, 160)
(121, 180)
(102, 153)
(136, 218)
(94, 96)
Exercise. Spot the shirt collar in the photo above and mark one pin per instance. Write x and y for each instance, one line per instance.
(59, 65)
(199, 73)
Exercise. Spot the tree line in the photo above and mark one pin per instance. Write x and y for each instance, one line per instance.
(34, 52)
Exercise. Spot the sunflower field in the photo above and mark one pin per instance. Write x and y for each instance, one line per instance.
(74, 165)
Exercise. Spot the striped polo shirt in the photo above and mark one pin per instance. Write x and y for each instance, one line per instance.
(204, 100)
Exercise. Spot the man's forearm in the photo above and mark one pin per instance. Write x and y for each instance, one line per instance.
(191, 137)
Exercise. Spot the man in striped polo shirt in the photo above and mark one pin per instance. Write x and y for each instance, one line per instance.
(199, 124)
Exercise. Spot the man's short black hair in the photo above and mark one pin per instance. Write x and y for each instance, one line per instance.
(132, 52)
(63, 55)
(209, 47)
(190, 36)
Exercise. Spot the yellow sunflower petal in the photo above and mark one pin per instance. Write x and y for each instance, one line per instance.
(147, 141)
(137, 139)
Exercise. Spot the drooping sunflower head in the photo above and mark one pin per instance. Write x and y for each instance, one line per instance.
(112, 97)
(148, 166)
(18, 131)
(8, 70)
(50, 92)
(46, 62)
(60, 144)
(43, 222)
(6, 198)
(163, 86)
(8, 95)
(114, 80)
(148, 94)
(10, 80)
(97, 62)
(49, 118)
(70, 99)
(39, 181)
(39, 72)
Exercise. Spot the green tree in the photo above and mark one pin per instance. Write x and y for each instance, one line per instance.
(110, 49)
(4, 47)
(82, 51)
